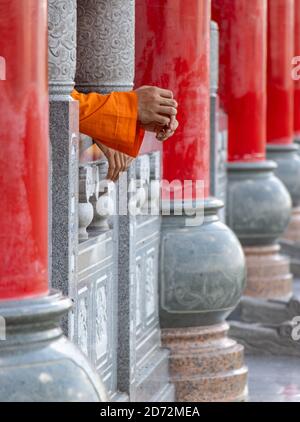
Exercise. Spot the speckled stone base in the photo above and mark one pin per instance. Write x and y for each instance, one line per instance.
(268, 273)
(205, 365)
(292, 233)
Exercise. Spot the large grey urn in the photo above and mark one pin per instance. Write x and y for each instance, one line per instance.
(202, 276)
(287, 158)
(258, 211)
(202, 269)
(37, 362)
(288, 167)
(259, 205)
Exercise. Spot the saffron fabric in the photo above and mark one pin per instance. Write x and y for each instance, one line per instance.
(111, 119)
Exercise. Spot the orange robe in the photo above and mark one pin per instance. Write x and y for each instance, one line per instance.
(111, 119)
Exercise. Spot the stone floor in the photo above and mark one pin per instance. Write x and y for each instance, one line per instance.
(273, 379)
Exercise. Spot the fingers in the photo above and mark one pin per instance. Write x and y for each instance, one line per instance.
(168, 102)
(173, 124)
(169, 111)
(121, 164)
(117, 167)
(111, 166)
(118, 162)
(162, 120)
(166, 132)
(165, 93)
(163, 136)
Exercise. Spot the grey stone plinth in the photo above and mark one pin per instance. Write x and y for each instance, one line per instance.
(206, 365)
(259, 205)
(202, 270)
(39, 364)
(288, 167)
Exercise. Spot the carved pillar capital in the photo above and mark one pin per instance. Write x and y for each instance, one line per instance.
(61, 46)
(105, 45)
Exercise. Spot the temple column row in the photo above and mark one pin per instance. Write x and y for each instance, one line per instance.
(258, 203)
(257, 93)
(281, 90)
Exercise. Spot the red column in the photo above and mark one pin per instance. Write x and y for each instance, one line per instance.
(280, 126)
(297, 82)
(242, 91)
(172, 51)
(24, 149)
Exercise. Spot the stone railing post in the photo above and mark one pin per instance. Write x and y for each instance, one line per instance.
(218, 138)
(64, 146)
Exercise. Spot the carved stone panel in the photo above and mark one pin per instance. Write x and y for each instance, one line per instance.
(96, 279)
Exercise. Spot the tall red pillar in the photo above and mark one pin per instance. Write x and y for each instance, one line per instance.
(188, 79)
(33, 346)
(280, 111)
(24, 153)
(258, 204)
(202, 267)
(284, 120)
(297, 72)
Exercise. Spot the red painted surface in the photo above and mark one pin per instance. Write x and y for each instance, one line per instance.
(24, 149)
(172, 51)
(297, 70)
(242, 25)
(280, 128)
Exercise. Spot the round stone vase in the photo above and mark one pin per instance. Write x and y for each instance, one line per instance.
(202, 269)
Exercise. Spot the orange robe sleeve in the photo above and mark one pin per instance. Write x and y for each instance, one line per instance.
(111, 119)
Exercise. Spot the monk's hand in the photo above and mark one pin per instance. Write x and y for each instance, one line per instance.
(118, 162)
(162, 134)
(156, 107)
